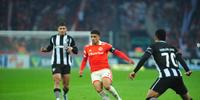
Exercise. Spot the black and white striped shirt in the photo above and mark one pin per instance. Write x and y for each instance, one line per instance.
(59, 43)
(166, 58)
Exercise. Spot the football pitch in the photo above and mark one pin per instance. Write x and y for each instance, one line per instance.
(37, 84)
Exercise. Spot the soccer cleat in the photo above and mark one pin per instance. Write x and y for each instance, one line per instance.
(65, 97)
(105, 98)
(57, 98)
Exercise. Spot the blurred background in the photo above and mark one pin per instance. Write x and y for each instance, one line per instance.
(129, 25)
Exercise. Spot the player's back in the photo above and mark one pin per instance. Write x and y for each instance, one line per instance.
(165, 58)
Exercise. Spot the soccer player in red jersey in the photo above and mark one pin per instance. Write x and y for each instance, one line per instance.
(97, 54)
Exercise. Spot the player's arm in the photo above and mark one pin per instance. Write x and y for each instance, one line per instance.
(183, 63)
(143, 59)
(73, 48)
(83, 63)
(121, 55)
(48, 48)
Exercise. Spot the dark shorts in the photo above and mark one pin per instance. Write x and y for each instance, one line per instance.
(60, 68)
(175, 83)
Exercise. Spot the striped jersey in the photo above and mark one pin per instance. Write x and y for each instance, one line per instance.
(166, 58)
(59, 43)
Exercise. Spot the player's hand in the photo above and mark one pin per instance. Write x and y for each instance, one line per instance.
(188, 73)
(131, 62)
(80, 74)
(43, 49)
(69, 49)
(132, 75)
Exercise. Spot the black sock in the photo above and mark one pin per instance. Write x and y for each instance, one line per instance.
(65, 90)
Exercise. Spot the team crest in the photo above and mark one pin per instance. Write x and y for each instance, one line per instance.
(100, 48)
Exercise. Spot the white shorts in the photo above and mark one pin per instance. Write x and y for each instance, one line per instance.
(99, 75)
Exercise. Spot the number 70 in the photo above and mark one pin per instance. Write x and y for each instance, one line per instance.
(172, 57)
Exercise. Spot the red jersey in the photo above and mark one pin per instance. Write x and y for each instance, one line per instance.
(98, 56)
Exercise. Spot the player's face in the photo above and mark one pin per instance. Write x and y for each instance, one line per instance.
(95, 39)
(62, 30)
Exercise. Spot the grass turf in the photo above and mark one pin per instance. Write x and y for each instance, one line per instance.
(37, 84)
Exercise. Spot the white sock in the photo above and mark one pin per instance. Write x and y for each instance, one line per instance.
(114, 93)
(103, 95)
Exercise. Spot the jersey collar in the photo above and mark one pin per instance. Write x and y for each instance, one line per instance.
(100, 43)
(161, 41)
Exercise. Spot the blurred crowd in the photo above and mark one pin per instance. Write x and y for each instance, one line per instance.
(128, 20)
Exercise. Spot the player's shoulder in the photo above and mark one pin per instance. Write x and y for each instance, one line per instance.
(69, 36)
(105, 43)
(53, 36)
(87, 45)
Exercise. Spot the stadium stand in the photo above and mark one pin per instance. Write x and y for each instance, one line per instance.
(129, 20)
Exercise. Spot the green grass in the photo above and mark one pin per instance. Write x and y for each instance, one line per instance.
(37, 84)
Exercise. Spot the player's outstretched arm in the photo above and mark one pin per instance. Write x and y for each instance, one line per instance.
(48, 48)
(139, 65)
(183, 63)
(123, 56)
(82, 67)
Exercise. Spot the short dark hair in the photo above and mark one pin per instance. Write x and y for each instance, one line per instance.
(62, 24)
(161, 34)
(95, 32)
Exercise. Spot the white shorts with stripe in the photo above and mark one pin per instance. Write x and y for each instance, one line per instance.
(100, 74)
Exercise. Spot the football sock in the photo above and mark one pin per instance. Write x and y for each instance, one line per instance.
(114, 92)
(57, 92)
(103, 95)
(65, 90)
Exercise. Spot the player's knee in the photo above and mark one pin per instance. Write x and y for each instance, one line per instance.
(106, 86)
(57, 82)
(99, 90)
(151, 98)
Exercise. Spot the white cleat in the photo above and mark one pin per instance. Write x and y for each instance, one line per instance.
(106, 98)
(57, 98)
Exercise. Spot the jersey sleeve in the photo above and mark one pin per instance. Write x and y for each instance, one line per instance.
(119, 53)
(50, 46)
(73, 45)
(181, 60)
(84, 61)
(147, 54)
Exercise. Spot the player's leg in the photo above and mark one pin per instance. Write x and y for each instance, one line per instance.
(107, 81)
(96, 81)
(57, 78)
(180, 88)
(99, 88)
(186, 96)
(107, 85)
(65, 80)
(152, 95)
(157, 89)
